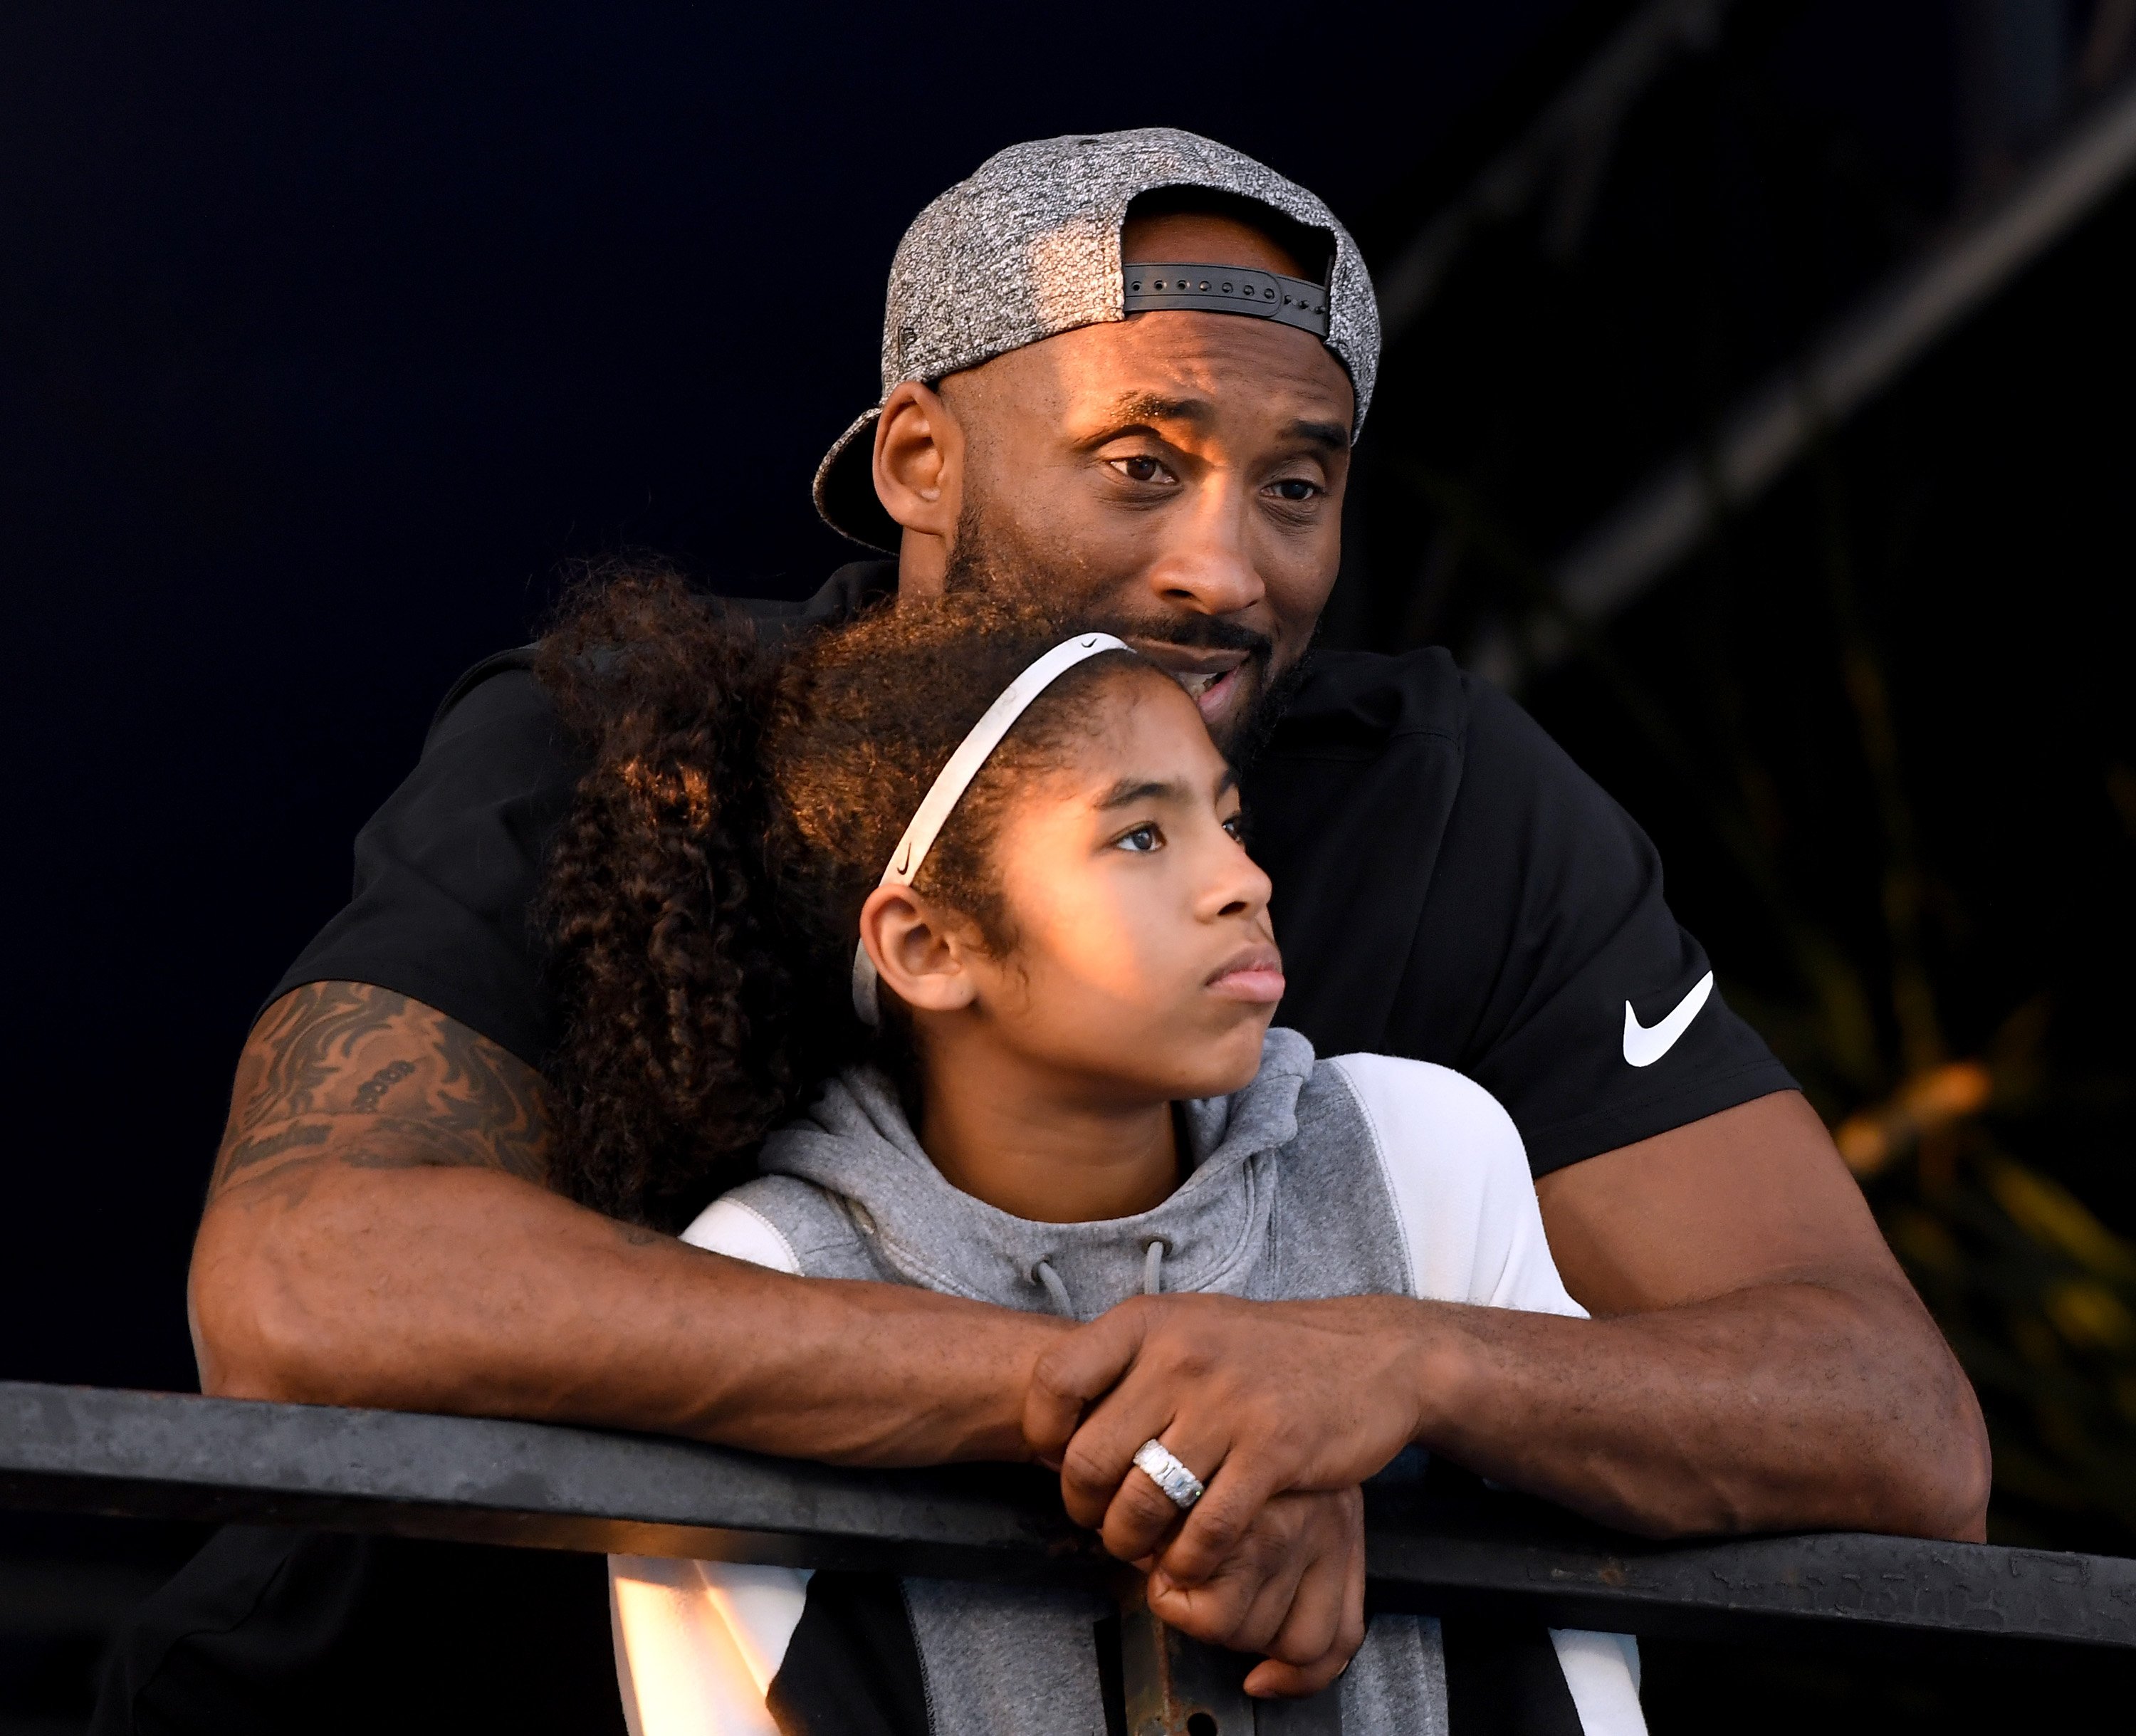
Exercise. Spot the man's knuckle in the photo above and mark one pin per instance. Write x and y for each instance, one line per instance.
(1083, 1464)
(1220, 1533)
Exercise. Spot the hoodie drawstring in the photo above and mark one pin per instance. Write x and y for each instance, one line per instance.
(1056, 1292)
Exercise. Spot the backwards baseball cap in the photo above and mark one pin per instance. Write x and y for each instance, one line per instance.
(1029, 247)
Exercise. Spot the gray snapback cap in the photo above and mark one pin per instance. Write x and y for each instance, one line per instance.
(1029, 246)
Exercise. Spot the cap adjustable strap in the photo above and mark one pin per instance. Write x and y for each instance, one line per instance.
(943, 796)
(1224, 289)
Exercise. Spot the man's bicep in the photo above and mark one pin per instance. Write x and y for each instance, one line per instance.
(356, 1074)
(1755, 1194)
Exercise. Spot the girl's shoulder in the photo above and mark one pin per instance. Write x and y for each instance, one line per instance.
(1421, 1113)
(1454, 1175)
(788, 1224)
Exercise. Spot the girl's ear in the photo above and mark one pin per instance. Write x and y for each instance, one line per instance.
(921, 957)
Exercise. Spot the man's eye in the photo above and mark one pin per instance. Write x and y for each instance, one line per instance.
(1295, 488)
(1141, 840)
(1140, 469)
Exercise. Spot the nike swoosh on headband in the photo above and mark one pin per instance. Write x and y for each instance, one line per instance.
(1646, 1044)
(948, 788)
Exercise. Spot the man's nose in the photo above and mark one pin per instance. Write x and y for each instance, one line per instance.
(1207, 565)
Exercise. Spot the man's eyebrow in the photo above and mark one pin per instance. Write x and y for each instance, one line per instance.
(1144, 412)
(1333, 435)
(1153, 407)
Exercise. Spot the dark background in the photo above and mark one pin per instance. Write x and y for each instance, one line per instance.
(328, 335)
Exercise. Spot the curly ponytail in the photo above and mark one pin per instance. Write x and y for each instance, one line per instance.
(701, 901)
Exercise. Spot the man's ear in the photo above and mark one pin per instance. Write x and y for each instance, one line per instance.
(920, 479)
(921, 957)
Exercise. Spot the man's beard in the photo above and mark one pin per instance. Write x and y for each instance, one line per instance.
(981, 560)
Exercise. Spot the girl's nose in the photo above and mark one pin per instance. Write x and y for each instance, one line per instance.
(1245, 890)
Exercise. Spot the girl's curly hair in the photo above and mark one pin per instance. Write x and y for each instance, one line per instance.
(701, 901)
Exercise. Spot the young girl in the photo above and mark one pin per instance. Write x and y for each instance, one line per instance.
(986, 878)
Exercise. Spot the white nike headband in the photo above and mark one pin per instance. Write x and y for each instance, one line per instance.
(956, 777)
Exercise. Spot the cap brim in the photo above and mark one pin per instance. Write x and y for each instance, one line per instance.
(845, 489)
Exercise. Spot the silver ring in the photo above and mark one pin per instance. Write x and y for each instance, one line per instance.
(1181, 1486)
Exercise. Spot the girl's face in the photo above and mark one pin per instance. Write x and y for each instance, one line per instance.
(1145, 963)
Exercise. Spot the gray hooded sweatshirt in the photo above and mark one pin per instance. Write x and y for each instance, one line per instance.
(1363, 1174)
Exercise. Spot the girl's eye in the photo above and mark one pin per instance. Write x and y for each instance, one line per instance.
(1140, 469)
(1141, 840)
(1295, 488)
(1235, 828)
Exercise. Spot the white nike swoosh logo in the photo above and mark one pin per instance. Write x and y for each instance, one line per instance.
(1646, 1044)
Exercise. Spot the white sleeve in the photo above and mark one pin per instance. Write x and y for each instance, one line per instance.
(698, 1642)
(1465, 1203)
(1458, 1174)
(728, 1227)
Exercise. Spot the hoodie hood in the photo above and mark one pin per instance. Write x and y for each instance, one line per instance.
(855, 1143)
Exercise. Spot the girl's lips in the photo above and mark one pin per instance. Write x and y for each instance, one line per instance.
(1256, 975)
(1263, 984)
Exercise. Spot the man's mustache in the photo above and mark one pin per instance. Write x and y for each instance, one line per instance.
(1199, 633)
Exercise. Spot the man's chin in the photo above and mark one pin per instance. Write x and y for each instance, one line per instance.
(1249, 713)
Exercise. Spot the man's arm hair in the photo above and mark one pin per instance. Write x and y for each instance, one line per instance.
(378, 1233)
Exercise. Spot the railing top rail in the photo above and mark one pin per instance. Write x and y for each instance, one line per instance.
(169, 1456)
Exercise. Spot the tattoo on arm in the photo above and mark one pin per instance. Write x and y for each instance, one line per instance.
(349, 1073)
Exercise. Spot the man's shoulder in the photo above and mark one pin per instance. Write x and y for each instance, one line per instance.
(502, 688)
(1361, 701)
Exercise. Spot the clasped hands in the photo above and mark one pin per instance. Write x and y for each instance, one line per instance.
(1282, 1409)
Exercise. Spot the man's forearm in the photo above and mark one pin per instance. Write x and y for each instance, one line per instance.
(1758, 1361)
(378, 1233)
(469, 1291)
(1788, 1407)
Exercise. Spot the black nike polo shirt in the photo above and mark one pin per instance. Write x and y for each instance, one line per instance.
(1449, 886)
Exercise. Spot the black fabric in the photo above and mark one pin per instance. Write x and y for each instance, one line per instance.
(1449, 887)
(1112, 1685)
(853, 1667)
(1504, 1679)
(265, 1632)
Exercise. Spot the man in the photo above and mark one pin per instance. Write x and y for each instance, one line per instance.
(1129, 367)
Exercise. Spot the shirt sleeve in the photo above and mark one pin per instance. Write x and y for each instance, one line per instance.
(1552, 966)
(447, 870)
(1457, 1175)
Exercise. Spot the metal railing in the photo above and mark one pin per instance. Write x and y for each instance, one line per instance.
(166, 1456)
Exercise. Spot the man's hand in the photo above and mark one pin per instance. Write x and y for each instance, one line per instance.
(378, 1233)
(1293, 1589)
(1757, 1363)
(1253, 1398)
